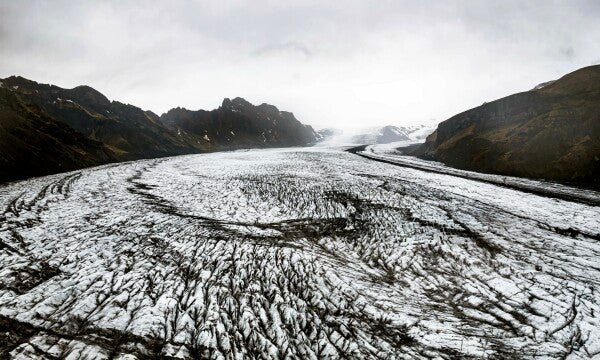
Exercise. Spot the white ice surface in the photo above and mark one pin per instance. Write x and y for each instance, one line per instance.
(303, 253)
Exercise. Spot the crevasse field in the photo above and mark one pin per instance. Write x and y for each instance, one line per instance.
(294, 253)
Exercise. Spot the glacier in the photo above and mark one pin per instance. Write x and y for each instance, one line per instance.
(295, 253)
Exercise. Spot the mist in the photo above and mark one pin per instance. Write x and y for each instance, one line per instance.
(351, 64)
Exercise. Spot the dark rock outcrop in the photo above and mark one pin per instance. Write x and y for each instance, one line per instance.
(47, 129)
(237, 124)
(551, 132)
(33, 143)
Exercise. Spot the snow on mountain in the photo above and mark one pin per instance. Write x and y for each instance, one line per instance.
(420, 132)
(543, 85)
(377, 135)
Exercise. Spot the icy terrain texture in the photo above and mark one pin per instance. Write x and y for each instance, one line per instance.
(392, 153)
(305, 254)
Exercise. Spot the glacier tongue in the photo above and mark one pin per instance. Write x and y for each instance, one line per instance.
(300, 253)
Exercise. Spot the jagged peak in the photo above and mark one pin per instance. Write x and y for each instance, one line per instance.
(18, 78)
(176, 110)
(16, 81)
(81, 94)
(236, 102)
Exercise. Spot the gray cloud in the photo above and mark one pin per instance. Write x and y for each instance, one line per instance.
(567, 52)
(349, 63)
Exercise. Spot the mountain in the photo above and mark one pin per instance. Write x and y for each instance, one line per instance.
(389, 134)
(32, 143)
(383, 135)
(131, 132)
(375, 135)
(327, 133)
(551, 132)
(237, 124)
(48, 129)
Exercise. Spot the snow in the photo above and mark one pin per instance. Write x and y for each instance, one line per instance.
(299, 253)
(420, 132)
(416, 133)
(543, 85)
(397, 131)
(205, 137)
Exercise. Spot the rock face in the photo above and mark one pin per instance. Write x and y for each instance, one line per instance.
(238, 124)
(128, 130)
(551, 132)
(33, 143)
(46, 129)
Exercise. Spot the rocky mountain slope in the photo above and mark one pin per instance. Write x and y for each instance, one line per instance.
(551, 132)
(237, 124)
(130, 131)
(47, 129)
(33, 143)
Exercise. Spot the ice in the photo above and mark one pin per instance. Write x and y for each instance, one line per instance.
(296, 253)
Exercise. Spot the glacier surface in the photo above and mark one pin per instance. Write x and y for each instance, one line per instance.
(293, 253)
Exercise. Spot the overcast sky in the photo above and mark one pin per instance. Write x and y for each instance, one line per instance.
(339, 63)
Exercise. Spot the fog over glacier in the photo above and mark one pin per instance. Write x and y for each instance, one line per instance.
(334, 64)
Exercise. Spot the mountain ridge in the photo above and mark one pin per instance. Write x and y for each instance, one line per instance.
(551, 132)
(84, 128)
(238, 123)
